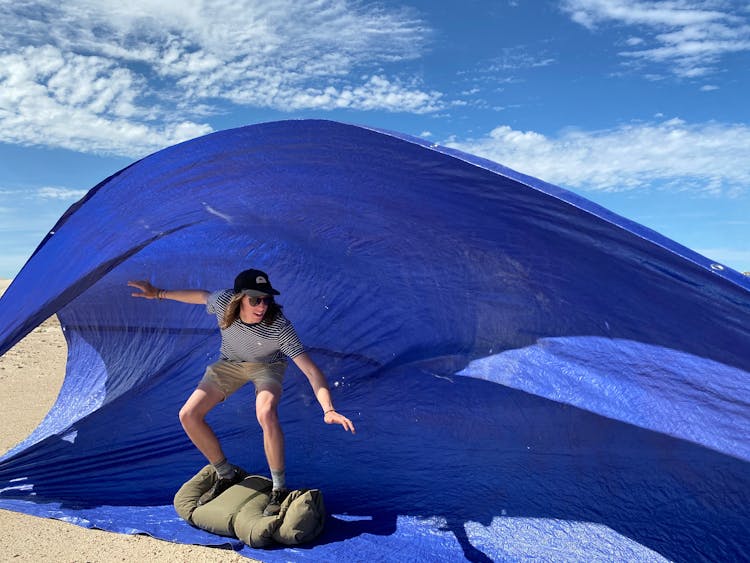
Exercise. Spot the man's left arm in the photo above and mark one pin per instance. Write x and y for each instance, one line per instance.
(319, 385)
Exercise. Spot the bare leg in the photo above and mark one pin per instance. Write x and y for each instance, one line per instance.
(192, 417)
(266, 403)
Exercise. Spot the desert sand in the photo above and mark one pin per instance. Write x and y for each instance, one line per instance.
(31, 374)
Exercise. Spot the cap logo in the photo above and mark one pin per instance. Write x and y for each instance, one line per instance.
(261, 279)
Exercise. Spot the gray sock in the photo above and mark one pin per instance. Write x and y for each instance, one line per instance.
(279, 479)
(225, 469)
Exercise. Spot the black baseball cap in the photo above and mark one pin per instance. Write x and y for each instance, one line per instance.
(253, 283)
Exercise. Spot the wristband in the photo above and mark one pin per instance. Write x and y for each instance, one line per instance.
(329, 410)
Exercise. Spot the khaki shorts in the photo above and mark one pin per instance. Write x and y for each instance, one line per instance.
(230, 376)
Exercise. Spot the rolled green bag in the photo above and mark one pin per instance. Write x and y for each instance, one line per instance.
(238, 511)
(303, 517)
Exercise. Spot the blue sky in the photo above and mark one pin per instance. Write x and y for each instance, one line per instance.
(638, 106)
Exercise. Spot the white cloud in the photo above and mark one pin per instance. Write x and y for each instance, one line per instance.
(19, 198)
(374, 93)
(516, 58)
(84, 103)
(690, 36)
(60, 193)
(108, 76)
(708, 157)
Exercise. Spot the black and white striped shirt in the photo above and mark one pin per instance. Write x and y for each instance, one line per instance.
(259, 342)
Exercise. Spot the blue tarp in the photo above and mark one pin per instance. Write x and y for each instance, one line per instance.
(531, 375)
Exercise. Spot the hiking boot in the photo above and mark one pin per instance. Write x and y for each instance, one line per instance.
(220, 486)
(274, 503)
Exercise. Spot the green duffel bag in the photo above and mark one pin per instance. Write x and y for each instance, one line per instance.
(238, 511)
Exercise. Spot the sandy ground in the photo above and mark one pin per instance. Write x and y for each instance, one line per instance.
(31, 374)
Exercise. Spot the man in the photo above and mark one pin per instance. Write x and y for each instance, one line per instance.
(256, 338)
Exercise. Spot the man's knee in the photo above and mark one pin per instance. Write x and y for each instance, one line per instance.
(267, 414)
(189, 416)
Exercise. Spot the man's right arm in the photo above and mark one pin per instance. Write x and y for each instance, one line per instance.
(149, 291)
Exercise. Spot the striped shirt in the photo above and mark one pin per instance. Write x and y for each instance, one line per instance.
(259, 342)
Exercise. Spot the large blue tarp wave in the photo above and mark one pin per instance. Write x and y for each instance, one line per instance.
(531, 376)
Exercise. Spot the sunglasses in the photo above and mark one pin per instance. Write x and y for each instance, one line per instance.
(254, 301)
